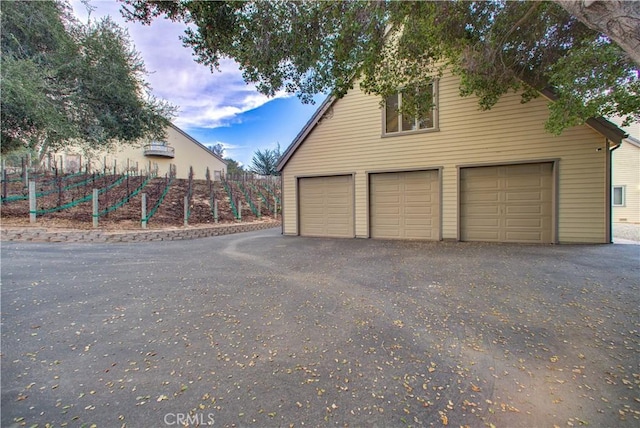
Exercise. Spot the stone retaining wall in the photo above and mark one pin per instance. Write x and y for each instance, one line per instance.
(43, 235)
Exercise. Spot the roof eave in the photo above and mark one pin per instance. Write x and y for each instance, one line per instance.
(306, 130)
(601, 125)
(607, 128)
(193, 140)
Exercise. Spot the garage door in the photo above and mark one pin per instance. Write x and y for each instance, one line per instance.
(405, 205)
(326, 206)
(509, 203)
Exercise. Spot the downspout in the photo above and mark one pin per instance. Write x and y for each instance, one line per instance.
(609, 195)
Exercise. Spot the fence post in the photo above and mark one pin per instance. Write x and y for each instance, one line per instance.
(144, 211)
(215, 211)
(32, 201)
(275, 207)
(186, 210)
(240, 209)
(23, 172)
(95, 208)
(4, 179)
(259, 208)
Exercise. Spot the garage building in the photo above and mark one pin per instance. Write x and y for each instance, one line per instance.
(361, 170)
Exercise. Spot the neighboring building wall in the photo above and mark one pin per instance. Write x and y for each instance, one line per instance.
(349, 141)
(188, 153)
(626, 174)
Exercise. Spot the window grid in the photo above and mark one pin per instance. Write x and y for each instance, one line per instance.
(396, 123)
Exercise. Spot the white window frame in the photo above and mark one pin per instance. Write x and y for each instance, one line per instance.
(623, 194)
(400, 131)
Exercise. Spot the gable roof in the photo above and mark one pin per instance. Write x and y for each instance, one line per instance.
(633, 141)
(598, 124)
(306, 130)
(197, 143)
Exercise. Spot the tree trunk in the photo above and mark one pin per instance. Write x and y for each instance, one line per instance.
(618, 20)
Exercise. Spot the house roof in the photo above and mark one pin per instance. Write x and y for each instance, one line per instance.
(633, 140)
(196, 142)
(599, 124)
(306, 129)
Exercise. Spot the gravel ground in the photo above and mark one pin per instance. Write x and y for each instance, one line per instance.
(262, 330)
(627, 231)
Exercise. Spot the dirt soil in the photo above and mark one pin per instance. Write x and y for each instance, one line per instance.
(169, 214)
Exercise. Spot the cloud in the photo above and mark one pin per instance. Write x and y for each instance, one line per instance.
(205, 98)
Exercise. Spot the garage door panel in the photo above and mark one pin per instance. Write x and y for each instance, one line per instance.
(388, 221)
(483, 222)
(507, 203)
(416, 223)
(524, 182)
(388, 211)
(479, 210)
(525, 210)
(522, 195)
(405, 205)
(387, 198)
(523, 223)
(482, 197)
(419, 211)
(524, 237)
(326, 206)
(483, 235)
(478, 185)
(416, 198)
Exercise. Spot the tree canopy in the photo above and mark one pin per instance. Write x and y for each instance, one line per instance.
(65, 83)
(493, 46)
(265, 162)
(217, 149)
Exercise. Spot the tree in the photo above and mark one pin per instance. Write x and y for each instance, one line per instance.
(265, 162)
(619, 20)
(494, 47)
(69, 83)
(233, 167)
(217, 149)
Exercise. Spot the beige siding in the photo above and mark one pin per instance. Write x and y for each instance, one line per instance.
(187, 154)
(626, 172)
(349, 141)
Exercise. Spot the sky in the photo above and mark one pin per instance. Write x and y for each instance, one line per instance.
(213, 107)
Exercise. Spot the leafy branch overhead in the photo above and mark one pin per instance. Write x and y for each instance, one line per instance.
(494, 47)
(65, 82)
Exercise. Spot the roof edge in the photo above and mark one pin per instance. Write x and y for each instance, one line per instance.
(600, 124)
(609, 129)
(196, 142)
(632, 140)
(308, 127)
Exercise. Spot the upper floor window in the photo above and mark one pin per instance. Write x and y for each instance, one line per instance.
(397, 122)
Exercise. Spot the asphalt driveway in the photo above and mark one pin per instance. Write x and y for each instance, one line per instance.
(257, 329)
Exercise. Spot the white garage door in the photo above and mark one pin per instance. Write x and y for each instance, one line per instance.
(405, 205)
(508, 203)
(326, 206)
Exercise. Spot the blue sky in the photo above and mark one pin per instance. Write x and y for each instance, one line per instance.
(214, 107)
